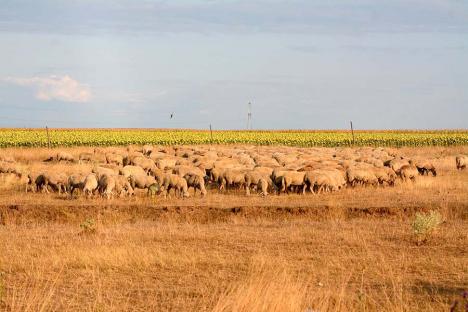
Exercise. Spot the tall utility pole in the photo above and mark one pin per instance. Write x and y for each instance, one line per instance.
(249, 117)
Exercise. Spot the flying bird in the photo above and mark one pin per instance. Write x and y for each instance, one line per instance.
(172, 115)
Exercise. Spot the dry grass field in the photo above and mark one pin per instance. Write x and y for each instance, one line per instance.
(352, 250)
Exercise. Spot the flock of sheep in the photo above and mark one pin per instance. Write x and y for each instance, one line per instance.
(166, 170)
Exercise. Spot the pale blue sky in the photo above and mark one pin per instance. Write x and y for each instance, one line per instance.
(302, 63)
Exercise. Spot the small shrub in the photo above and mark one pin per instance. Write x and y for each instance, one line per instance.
(425, 224)
(88, 227)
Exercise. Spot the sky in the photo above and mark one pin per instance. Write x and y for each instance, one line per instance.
(303, 64)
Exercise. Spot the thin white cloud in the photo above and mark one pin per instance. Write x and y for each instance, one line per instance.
(62, 88)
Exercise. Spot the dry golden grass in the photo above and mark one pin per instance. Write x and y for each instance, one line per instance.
(347, 251)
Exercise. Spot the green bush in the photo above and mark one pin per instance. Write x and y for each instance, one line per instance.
(425, 224)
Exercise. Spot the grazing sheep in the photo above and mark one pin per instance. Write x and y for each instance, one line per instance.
(385, 175)
(106, 185)
(101, 170)
(253, 177)
(129, 170)
(173, 181)
(147, 149)
(64, 156)
(232, 177)
(408, 172)
(75, 181)
(361, 176)
(197, 182)
(324, 180)
(114, 159)
(7, 159)
(461, 161)
(123, 186)
(141, 181)
(85, 157)
(293, 179)
(263, 185)
(7, 167)
(90, 184)
(146, 163)
(397, 163)
(166, 163)
(158, 174)
(57, 181)
(425, 166)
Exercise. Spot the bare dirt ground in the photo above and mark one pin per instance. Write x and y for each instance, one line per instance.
(352, 250)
